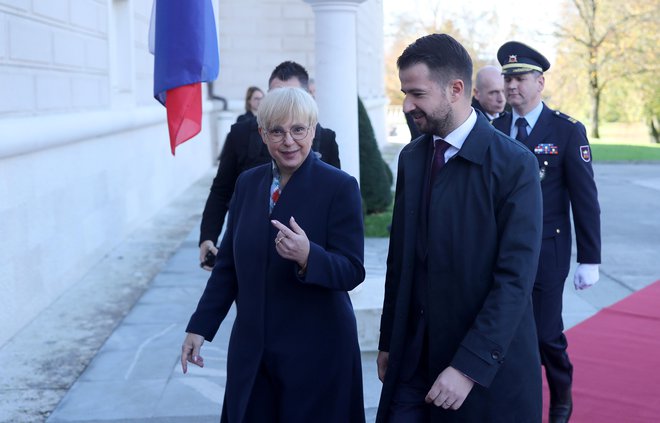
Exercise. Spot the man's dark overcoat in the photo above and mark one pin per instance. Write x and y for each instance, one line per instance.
(484, 235)
(305, 325)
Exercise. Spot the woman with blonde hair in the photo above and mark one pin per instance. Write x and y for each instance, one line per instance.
(292, 249)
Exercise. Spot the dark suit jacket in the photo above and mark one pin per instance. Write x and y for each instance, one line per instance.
(567, 183)
(477, 106)
(244, 149)
(245, 116)
(484, 232)
(309, 320)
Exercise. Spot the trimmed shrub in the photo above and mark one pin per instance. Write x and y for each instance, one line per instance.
(375, 174)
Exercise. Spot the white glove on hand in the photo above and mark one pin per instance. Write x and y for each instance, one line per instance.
(585, 275)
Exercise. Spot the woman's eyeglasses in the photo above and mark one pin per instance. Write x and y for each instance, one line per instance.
(277, 135)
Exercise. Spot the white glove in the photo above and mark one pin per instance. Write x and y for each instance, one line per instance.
(585, 275)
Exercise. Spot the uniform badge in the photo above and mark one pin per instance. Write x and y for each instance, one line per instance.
(585, 153)
(550, 149)
(542, 173)
(513, 58)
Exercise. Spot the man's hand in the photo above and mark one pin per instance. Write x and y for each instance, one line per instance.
(449, 389)
(381, 361)
(190, 351)
(585, 275)
(204, 248)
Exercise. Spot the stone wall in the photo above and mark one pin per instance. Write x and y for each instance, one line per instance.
(84, 152)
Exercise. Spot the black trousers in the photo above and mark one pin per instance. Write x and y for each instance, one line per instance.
(547, 301)
(408, 403)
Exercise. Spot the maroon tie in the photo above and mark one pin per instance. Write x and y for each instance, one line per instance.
(439, 149)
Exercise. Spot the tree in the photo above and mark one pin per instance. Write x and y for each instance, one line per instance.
(472, 30)
(611, 40)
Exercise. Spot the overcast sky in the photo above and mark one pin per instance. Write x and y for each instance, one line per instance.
(531, 16)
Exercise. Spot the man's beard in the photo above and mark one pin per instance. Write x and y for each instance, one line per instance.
(438, 124)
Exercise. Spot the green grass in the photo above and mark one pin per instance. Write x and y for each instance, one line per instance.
(606, 152)
(624, 142)
(375, 225)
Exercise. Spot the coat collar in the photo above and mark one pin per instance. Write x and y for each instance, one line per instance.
(476, 144)
(300, 180)
(474, 149)
(540, 129)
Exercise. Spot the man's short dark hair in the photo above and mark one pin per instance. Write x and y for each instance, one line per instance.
(445, 57)
(287, 70)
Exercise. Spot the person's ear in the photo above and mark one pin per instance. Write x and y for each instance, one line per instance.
(541, 82)
(457, 89)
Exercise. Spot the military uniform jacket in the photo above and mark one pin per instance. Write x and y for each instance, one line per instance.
(244, 149)
(560, 145)
(484, 232)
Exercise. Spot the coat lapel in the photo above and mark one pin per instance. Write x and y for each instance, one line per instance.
(258, 208)
(415, 173)
(540, 129)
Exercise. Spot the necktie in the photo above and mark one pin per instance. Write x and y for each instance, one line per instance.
(439, 148)
(521, 123)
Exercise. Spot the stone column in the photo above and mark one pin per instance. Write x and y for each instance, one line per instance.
(336, 75)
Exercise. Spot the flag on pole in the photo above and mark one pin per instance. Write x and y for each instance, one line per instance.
(183, 39)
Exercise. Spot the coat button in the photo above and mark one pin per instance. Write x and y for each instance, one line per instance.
(495, 355)
(558, 230)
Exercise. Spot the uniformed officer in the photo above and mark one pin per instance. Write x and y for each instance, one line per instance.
(567, 180)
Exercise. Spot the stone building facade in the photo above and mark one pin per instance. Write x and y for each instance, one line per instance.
(84, 152)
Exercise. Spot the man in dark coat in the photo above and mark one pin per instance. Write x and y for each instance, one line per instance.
(567, 181)
(244, 149)
(457, 341)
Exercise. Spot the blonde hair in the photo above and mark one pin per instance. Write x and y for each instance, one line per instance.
(282, 104)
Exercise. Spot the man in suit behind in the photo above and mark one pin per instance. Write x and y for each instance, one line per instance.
(244, 149)
(457, 338)
(567, 180)
(488, 95)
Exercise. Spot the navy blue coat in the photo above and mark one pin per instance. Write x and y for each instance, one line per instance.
(484, 236)
(560, 145)
(308, 320)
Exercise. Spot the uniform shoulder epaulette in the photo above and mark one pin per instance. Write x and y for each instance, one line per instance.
(565, 116)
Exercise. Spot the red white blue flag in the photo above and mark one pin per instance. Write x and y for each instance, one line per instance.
(185, 46)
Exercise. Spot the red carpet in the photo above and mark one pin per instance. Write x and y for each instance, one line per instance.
(616, 359)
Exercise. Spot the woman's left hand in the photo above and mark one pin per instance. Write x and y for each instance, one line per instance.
(292, 244)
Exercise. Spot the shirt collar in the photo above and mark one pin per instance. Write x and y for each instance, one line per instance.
(457, 137)
(492, 117)
(530, 117)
